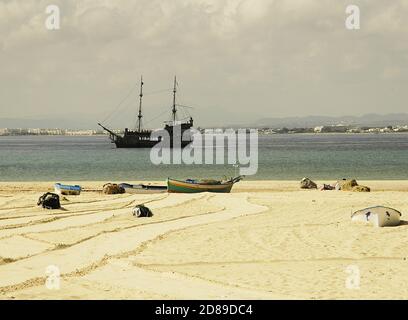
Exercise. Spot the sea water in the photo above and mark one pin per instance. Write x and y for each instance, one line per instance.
(281, 157)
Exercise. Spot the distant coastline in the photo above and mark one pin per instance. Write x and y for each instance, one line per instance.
(85, 126)
(261, 131)
(48, 132)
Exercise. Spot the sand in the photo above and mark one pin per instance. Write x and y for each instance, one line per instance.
(265, 240)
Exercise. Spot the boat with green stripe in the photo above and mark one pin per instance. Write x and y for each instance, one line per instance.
(195, 186)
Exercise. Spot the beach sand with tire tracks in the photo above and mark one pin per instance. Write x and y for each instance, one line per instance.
(265, 240)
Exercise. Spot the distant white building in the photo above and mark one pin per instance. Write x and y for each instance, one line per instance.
(331, 129)
(34, 131)
(386, 129)
(354, 130)
(80, 132)
(4, 131)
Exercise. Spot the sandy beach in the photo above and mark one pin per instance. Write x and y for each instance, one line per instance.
(265, 240)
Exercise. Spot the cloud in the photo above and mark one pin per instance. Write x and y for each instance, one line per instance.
(241, 58)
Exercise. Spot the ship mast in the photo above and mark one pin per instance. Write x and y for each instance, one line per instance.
(174, 111)
(139, 116)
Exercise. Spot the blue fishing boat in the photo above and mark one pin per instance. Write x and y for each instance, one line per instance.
(67, 189)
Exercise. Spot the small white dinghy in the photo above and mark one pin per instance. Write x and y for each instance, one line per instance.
(378, 216)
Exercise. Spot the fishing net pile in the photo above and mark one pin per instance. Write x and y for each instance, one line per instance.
(306, 183)
(112, 188)
(352, 185)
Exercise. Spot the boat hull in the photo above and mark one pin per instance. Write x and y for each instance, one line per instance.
(142, 188)
(176, 186)
(378, 216)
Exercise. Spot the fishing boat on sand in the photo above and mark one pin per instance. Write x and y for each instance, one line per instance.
(142, 188)
(194, 186)
(67, 189)
(378, 216)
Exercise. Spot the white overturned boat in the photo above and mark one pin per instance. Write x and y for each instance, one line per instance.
(67, 189)
(378, 216)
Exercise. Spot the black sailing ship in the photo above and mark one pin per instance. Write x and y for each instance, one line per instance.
(141, 138)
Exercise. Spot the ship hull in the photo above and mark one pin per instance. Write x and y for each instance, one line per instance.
(142, 144)
(122, 143)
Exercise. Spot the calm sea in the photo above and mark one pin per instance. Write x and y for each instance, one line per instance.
(281, 157)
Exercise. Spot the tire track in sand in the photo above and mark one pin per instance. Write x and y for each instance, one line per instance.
(111, 202)
(87, 256)
(47, 224)
(105, 227)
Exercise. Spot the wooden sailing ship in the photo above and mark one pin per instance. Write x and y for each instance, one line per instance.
(141, 138)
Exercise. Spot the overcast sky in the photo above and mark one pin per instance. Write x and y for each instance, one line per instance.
(236, 60)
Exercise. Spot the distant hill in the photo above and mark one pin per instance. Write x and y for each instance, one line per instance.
(83, 122)
(71, 121)
(49, 123)
(374, 120)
